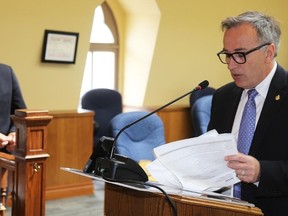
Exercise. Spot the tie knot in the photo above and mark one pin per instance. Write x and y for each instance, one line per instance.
(252, 94)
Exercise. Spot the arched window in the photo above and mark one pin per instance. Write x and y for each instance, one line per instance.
(101, 69)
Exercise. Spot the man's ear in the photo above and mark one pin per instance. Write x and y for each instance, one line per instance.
(270, 52)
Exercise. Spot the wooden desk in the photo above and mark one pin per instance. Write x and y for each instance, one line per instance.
(123, 201)
(70, 144)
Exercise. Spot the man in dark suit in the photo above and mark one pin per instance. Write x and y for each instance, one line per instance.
(10, 100)
(250, 45)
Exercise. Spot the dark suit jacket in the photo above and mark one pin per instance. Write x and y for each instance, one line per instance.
(10, 98)
(269, 145)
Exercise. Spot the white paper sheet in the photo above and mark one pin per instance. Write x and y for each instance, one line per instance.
(195, 164)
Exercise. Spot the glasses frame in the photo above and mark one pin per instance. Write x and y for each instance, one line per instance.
(229, 55)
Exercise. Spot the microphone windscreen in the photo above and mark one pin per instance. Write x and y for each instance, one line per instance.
(203, 84)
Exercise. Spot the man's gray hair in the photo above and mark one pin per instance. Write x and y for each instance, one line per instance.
(268, 29)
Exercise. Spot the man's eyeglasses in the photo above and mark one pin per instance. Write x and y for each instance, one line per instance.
(238, 57)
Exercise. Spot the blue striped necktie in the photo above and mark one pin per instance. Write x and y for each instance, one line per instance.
(246, 130)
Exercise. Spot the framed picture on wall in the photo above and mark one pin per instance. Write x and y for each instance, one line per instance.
(59, 47)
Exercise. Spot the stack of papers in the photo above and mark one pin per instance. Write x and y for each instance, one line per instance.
(195, 164)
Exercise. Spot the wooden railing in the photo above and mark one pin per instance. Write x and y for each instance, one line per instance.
(27, 165)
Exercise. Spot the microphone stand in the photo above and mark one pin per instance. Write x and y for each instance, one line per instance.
(199, 87)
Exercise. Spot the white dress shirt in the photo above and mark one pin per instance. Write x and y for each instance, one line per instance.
(262, 89)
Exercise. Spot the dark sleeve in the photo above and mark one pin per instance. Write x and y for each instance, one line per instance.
(273, 179)
(17, 98)
(10, 98)
(17, 101)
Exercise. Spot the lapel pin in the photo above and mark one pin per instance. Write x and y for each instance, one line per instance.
(277, 97)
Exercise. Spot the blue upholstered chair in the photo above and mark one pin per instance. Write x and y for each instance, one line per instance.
(106, 104)
(200, 107)
(137, 142)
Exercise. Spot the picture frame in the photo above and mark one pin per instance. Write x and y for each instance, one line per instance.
(59, 47)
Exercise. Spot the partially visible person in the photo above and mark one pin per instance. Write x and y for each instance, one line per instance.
(10, 99)
(250, 46)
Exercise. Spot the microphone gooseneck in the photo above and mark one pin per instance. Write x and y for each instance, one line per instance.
(118, 168)
(200, 87)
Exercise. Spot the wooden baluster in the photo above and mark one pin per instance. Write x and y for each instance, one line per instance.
(7, 167)
(30, 162)
(3, 189)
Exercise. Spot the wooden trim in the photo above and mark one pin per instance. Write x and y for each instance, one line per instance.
(71, 190)
(71, 113)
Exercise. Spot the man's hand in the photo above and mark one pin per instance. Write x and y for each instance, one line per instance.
(246, 167)
(12, 142)
(8, 141)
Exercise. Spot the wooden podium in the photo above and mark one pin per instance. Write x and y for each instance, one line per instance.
(125, 201)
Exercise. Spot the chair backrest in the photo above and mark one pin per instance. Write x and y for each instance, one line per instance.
(200, 112)
(106, 104)
(200, 108)
(137, 142)
(198, 94)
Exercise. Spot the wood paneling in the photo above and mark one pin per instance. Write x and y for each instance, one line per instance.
(70, 143)
(177, 123)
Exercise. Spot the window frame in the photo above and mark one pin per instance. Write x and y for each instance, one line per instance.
(110, 21)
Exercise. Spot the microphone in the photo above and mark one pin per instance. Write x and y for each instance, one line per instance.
(118, 167)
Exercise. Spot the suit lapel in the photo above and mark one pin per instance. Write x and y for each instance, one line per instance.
(270, 108)
(231, 111)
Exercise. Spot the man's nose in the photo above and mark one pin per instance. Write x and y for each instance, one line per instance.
(232, 63)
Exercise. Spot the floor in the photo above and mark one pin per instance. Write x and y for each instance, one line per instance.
(77, 206)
